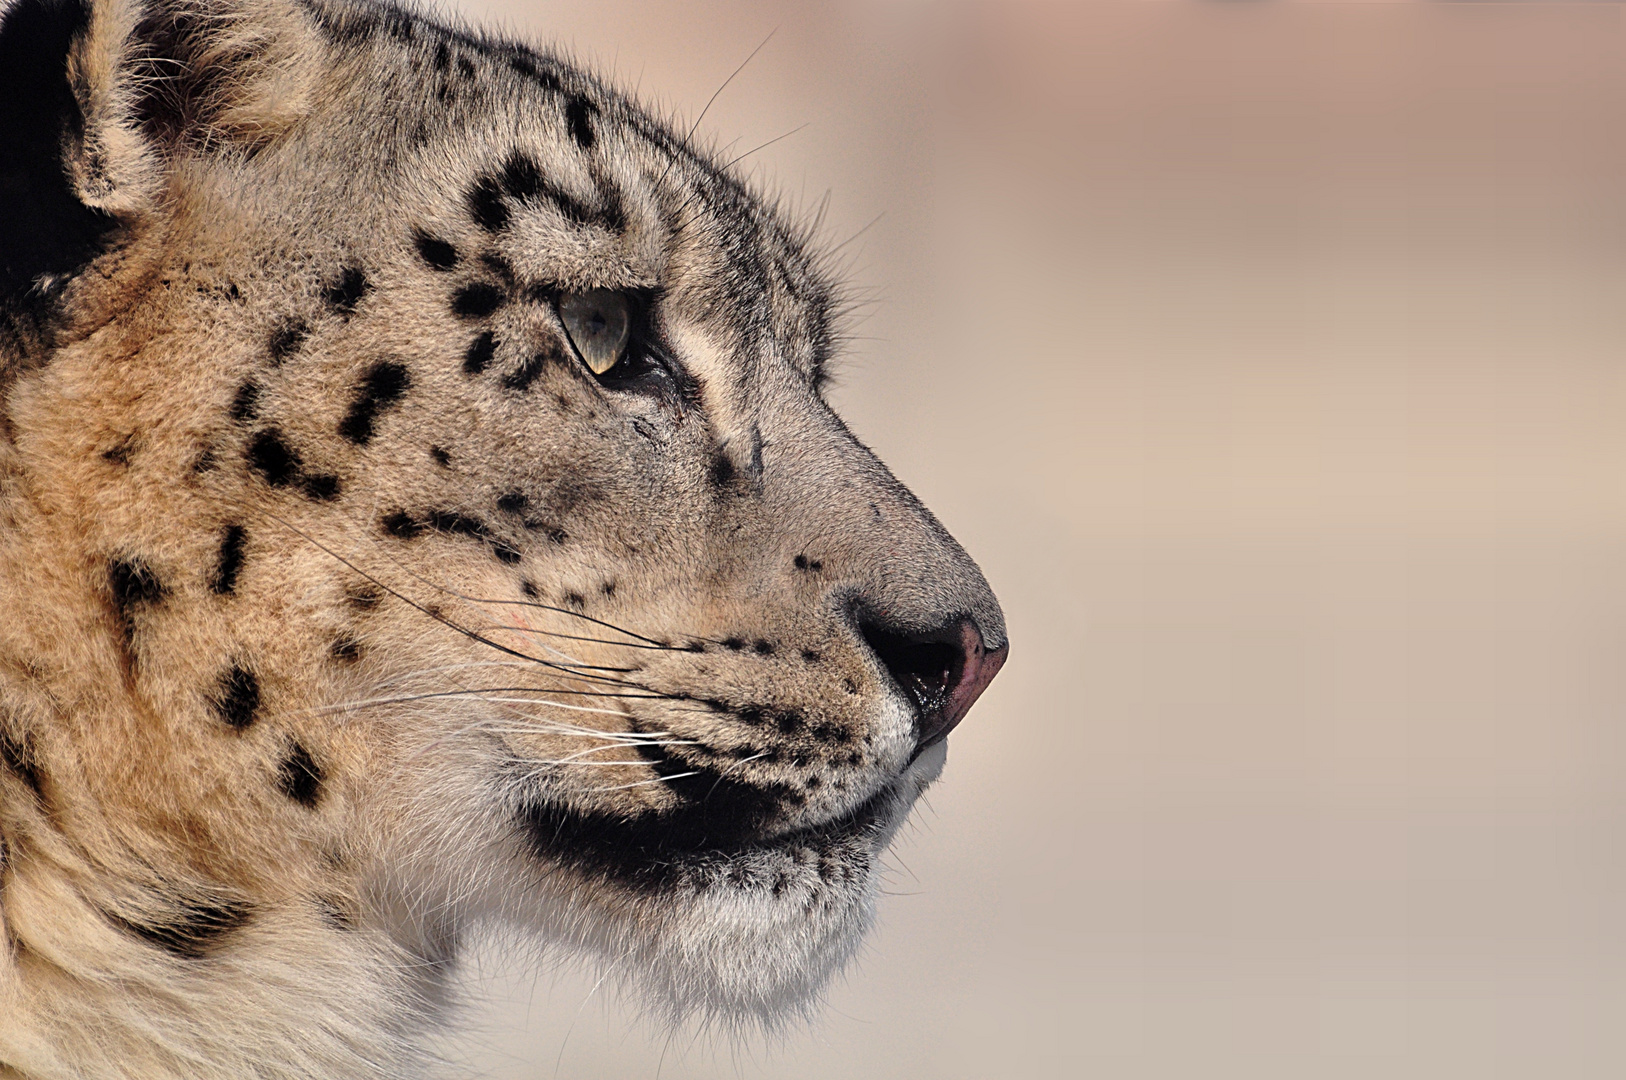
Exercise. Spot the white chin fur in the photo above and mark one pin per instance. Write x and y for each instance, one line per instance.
(746, 941)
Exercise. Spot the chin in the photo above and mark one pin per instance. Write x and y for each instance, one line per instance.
(739, 935)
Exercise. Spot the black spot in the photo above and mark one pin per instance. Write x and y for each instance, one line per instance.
(465, 67)
(336, 913)
(380, 388)
(433, 250)
(120, 454)
(522, 180)
(299, 777)
(45, 228)
(237, 697)
(504, 553)
(528, 587)
(363, 596)
(579, 115)
(801, 562)
(192, 928)
(272, 457)
(831, 733)
(486, 204)
(246, 405)
(230, 562)
(442, 458)
(286, 338)
(527, 373)
(512, 503)
(788, 722)
(608, 588)
(733, 644)
(476, 301)
(344, 294)
(815, 566)
(764, 648)
(575, 599)
(480, 352)
(443, 56)
(133, 585)
(520, 176)
(204, 461)
(402, 525)
(322, 487)
(525, 64)
(722, 470)
(345, 648)
(399, 24)
(17, 755)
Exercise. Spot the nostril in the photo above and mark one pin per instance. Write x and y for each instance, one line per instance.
(942, 672)
(926, 670)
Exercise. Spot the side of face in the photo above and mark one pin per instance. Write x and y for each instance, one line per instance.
(422, 503)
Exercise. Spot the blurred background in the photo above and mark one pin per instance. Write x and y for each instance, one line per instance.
(1269, 358)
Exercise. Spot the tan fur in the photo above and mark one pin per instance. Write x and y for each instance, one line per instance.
(442, 683)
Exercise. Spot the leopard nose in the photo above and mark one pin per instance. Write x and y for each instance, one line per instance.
(941, 672)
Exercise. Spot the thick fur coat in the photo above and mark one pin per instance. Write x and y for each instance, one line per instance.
(418, 507)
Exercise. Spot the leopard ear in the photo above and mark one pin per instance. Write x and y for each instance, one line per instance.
(100, 98)
(158, 78)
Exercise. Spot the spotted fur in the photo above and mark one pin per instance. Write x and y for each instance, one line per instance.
(343, 607)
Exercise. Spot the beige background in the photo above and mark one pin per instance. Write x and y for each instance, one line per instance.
(1269, 360)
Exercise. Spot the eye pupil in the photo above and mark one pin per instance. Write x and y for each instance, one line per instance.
(599, 324)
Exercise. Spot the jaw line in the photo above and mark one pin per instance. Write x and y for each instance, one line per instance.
(635, 854)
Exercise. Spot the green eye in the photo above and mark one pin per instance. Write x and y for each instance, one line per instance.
(599, 323)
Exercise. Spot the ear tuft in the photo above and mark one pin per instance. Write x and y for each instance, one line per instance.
(99, 98)
(46, 231)
(211, 74)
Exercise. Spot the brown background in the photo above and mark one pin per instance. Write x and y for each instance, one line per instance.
(1269, 360)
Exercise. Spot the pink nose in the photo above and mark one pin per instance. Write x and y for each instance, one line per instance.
(942, 672)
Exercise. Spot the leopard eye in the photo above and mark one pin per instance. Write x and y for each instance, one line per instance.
(599, 323)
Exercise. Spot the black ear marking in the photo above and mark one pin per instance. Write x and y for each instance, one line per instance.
(299, 777)
(192, 930)
(236, 699)
(224, 579)
(45, 229)
(382, 386)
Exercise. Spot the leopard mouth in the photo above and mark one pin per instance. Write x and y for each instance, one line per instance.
(696, 847)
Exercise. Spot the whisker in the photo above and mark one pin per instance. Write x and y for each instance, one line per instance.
(443, 620)
(643, 783)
